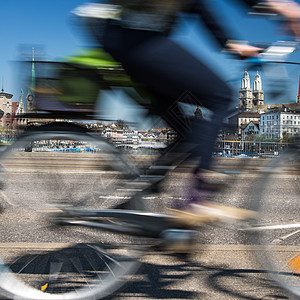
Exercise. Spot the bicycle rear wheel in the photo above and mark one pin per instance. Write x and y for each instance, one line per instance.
(278, 225)
(42, 172)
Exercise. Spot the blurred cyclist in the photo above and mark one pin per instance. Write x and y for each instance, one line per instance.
(139, 40)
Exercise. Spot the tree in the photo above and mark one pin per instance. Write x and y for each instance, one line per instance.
(121, 124)
(287, 138)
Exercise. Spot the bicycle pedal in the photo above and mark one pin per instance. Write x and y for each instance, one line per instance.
(178, 240)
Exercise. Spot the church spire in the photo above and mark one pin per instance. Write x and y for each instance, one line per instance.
(257, 84)
(32, 72)
(20, 109)
(298, 97)
(246, 80)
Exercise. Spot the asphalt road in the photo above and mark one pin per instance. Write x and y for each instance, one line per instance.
(223, 264)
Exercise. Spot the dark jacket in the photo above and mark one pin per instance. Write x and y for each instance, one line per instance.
(160, 15)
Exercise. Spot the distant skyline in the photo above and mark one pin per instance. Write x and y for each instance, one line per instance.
(47, 26)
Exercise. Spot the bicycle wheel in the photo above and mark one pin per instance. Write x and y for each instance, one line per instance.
(278, 224)
(41, 172)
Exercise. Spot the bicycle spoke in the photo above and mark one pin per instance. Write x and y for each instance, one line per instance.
(278, 226)
(84, 265)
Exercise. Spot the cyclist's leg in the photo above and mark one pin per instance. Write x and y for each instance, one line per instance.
(174, 73)
(171, 72)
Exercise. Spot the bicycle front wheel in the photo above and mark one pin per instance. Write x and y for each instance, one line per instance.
(278, 225)
(42, 172)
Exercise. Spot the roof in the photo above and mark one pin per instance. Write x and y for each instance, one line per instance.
(256, 123)
(280, 107)
(7, 95)
(247, 114)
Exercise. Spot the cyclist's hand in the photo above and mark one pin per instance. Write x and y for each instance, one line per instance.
(244, 50)
(290, 10)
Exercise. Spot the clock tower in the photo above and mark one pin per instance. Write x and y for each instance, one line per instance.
(29, 102)
(30, 107)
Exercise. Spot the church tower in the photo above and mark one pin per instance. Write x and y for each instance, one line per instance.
(245, 94)
(249, 99)
(298, 97)
(198, 114)
(20, 109)
(258, 93)
(30, 107)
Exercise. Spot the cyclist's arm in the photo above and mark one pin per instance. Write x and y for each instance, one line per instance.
(212, 19)
(290, 10)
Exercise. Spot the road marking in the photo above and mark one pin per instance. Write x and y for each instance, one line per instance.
(199, 247)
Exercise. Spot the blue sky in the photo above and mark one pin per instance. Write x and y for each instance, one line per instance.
(46, 25)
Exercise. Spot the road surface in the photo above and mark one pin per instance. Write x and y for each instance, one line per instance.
(223, 266)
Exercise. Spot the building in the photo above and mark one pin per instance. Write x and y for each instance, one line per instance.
(20, 109)
(6, 108)
(250, 103)
(6, 103)
(251, 129)
(14, 109)
(280, 122)
(250, 99)
(240, 120)
(198, 114)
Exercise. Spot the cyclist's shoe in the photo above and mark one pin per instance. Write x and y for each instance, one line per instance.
(198, 189)
(210, 212)
(201, 184)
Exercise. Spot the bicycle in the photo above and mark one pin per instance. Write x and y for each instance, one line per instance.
(81, 263)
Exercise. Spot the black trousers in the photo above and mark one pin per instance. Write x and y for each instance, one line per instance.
(172, 74)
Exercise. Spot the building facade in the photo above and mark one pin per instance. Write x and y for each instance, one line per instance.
(277, 124)
(250, 99)
(240, 120)
(251, 129)
(6, 103)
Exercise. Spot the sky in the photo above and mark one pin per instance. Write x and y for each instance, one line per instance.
(48, 27)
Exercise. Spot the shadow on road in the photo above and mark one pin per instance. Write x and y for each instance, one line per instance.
(189, 280)
(160, 277)
(244, 283)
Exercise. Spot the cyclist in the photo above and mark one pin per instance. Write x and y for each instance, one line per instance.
(139, 40)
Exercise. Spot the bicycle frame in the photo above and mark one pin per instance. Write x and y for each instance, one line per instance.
(136, 223)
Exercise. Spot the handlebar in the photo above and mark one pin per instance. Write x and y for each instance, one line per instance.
(276, 52)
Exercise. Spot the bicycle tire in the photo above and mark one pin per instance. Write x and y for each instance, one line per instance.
(277, 228)
(37, 262)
